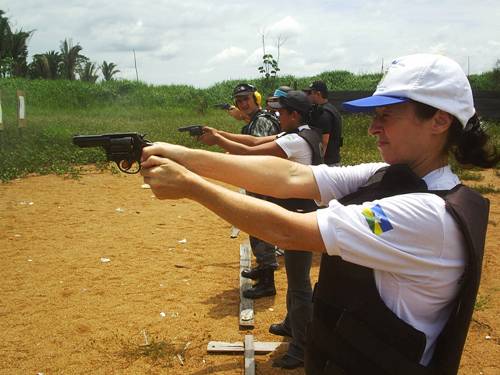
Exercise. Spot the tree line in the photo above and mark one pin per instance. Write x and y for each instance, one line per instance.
(67, 63)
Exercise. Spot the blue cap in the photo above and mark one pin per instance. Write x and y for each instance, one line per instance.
(369, 103)
(278, 93)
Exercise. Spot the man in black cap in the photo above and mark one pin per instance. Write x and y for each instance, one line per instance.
(261, 124)
(248, 101)
(330, 122)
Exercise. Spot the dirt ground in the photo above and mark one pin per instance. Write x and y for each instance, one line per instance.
(99, 277)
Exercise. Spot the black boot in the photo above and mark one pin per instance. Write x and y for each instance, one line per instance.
(288, 362)
(279, 329)
(264, 287)
(253, 273)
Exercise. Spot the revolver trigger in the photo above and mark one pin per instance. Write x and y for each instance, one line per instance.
(125, 165)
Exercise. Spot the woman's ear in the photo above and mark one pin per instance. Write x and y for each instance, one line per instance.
(441, 122)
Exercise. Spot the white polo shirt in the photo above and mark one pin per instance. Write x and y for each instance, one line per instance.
(295, 147)
(413, 244)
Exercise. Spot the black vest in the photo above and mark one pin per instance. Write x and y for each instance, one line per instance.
(335, 142)
(353, 332)
(313, 138)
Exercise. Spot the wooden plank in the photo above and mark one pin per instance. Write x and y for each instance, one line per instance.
(1, 113)
(246, 304)
(249, 355)
(234, 232)
(238, 347)
(21, 108)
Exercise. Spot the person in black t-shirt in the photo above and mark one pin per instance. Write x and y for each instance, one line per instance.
(330, 122)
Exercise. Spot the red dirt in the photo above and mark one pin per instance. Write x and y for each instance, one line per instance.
(65, 309)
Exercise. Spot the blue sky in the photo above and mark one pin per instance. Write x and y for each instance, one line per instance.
(203, 42)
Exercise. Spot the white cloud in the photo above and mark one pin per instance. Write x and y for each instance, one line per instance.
(207, 70)
(439, 49)
(167, 51)
(286, 27)
(228, 54)
(204, 42)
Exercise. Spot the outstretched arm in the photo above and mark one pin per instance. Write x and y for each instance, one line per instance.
(266, 148)
(246, 139)
(274, 224)
(266, 175)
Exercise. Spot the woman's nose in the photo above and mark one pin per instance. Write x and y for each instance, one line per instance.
(375, 127)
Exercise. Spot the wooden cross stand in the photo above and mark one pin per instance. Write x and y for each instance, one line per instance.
(249, 347)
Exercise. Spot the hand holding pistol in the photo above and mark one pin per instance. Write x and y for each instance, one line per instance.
(124, 149)
(194, 130)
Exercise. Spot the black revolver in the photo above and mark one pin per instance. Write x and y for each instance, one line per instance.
(194, 130)
(224, 106)
(124, 149)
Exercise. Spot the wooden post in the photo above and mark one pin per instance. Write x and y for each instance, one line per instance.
(249, 355)
(1, 113)
(234, 230)
(246, 304)
(21, 109)
(1, 124)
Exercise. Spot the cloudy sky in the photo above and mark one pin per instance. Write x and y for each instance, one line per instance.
(203, 42)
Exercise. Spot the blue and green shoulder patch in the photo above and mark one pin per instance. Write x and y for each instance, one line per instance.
(377, 220)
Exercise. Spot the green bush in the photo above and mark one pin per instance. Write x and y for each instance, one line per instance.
(59, 109)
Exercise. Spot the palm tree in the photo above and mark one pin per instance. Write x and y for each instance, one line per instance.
(46, 65)
(5, 35)
(54, 61)
(89, 72)
(13, 49)
(108, 70)
(38, 68)
(19, 52)
(71, 58)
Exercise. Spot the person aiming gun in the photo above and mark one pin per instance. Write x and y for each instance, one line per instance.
(247, 102)
(402, 241)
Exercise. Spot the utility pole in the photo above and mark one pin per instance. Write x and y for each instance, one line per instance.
(468, 66)
(135, 64)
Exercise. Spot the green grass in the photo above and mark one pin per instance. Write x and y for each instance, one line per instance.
(482, 302)
(486, 189)
(57, 110)
(45, 146)
(468, 175)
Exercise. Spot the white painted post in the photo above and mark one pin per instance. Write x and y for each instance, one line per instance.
(249, 355)
(1, 114)
(21, 109)
(246, 304)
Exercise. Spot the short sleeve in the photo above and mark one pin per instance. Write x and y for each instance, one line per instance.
(401, 234)
(337, 182)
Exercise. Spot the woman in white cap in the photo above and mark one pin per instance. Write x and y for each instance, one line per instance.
(402, 241)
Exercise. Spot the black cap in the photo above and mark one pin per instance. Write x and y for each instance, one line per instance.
(318, 86)
(244, 89)
(294, 100)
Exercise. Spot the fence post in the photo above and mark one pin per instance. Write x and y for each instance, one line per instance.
(1, 123)
(1, 114)
(21, 109)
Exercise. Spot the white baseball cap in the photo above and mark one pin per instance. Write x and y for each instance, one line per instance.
(434, 80)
